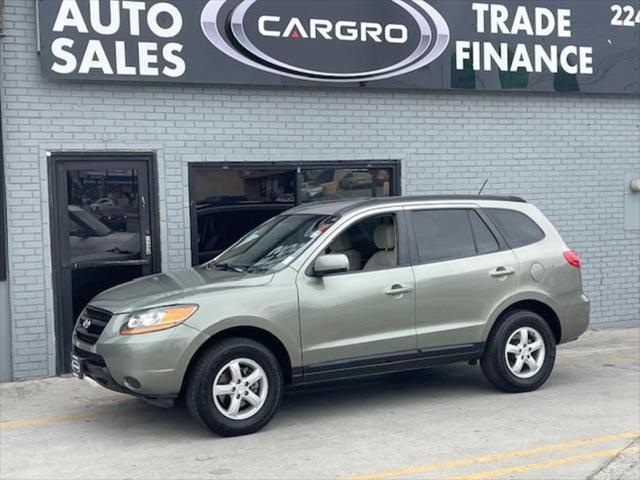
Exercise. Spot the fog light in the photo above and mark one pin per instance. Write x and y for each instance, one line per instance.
(131, 383)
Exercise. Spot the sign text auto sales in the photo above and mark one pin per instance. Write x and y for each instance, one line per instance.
(163, 21)
(496, 19)
(493, 45)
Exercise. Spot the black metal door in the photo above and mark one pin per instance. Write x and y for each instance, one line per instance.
(104, 229)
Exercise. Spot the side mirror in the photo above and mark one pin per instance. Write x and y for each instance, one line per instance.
(330, 264)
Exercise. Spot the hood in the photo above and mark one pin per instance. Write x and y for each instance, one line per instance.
(171, 288)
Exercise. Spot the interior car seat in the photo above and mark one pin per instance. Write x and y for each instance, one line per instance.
(384, 237)
(342, 244)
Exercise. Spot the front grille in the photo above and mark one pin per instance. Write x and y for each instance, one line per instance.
(97, 319)
(89, 357)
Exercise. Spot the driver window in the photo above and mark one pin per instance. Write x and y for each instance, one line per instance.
(369, 244)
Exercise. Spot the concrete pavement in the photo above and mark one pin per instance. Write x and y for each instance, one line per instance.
(439, 423)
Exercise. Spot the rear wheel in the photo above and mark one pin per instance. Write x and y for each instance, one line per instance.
(235, 388)
(520, 352)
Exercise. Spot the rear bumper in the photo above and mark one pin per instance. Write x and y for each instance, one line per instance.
(574, 319)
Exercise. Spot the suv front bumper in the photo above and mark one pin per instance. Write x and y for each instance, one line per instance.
(150, 366)
(87, 364)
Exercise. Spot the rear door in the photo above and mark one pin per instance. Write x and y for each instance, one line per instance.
(463, 271)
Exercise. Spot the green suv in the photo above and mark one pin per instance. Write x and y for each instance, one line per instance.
(337, 290)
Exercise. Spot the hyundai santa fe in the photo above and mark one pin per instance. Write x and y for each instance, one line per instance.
(337, 290)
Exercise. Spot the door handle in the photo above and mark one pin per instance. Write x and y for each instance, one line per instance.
(397, 289)
(502, 272)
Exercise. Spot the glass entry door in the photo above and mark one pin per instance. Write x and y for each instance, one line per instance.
(105, 234)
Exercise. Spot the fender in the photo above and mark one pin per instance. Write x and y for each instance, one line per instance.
(291, 342)
(520, 296)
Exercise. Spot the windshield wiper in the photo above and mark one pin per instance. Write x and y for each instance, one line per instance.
(229, 267)
(257, 269)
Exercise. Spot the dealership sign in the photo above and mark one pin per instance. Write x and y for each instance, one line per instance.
(539, 45)
(298, 40)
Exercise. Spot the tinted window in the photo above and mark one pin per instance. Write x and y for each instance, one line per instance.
(485, 241)
(517, 228)
(443, 234)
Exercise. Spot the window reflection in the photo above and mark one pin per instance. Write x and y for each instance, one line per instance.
(215, 186)
(336, 183)
(230, 203)
(103, 215)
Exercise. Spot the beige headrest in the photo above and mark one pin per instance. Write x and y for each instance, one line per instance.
(340, 244)
(385, 236)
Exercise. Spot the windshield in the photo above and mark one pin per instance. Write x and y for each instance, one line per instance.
(274, 244)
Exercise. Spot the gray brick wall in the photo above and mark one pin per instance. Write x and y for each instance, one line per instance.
(568, 154)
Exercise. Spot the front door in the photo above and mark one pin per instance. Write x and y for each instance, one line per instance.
(104, 231)
(366, 316)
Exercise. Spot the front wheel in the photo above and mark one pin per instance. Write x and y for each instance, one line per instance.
(235, 388)
(520, 352)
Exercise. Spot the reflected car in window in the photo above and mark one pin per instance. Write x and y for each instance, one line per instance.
(355, 180)
(91, 240)
(310, 191)
(101, 203)
(113, 217)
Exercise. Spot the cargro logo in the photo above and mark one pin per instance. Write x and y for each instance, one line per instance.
(328, 40)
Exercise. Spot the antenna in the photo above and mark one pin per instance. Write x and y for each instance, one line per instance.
(483, 185)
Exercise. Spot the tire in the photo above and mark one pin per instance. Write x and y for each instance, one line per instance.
(500, 368)
(222, 363)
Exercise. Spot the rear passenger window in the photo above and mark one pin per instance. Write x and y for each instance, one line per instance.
(443, 234)
(485, 241)
(518, 229)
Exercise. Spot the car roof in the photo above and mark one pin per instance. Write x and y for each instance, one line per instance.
(343, 206)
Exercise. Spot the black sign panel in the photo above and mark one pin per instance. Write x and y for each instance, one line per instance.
(535, 45)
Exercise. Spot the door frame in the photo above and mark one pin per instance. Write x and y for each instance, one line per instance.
(297, 165)
(61, 291)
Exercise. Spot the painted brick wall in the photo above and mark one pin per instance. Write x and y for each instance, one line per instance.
(567, 154)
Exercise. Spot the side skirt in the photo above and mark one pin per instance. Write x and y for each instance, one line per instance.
(387, 363)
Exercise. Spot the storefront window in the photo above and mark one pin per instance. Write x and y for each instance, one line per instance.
(231, 201)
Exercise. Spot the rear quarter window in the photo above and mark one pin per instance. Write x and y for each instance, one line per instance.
(518, 229)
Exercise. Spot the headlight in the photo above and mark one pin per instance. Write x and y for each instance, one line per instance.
(157, 319)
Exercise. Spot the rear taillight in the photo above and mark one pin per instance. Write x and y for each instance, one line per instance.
(572, 258)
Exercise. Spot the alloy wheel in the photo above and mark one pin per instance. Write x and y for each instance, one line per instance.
(240, 389)
(525, 352)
